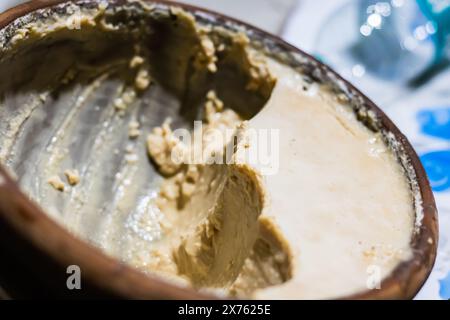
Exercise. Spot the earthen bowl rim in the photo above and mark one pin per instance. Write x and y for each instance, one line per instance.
(115, 277)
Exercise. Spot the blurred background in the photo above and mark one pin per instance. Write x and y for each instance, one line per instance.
(394, 51)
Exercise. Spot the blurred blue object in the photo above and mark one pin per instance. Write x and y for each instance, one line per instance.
(435, 122)
(437, 166)
(444, 287)
(396, 40)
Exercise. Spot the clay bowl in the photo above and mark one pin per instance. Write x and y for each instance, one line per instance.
(35, 251)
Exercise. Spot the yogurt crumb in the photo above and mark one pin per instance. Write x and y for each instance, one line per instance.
(56, 182)
(143, 79)
(131, 158)
(72, 177)
(133, 130)
(136, 61)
